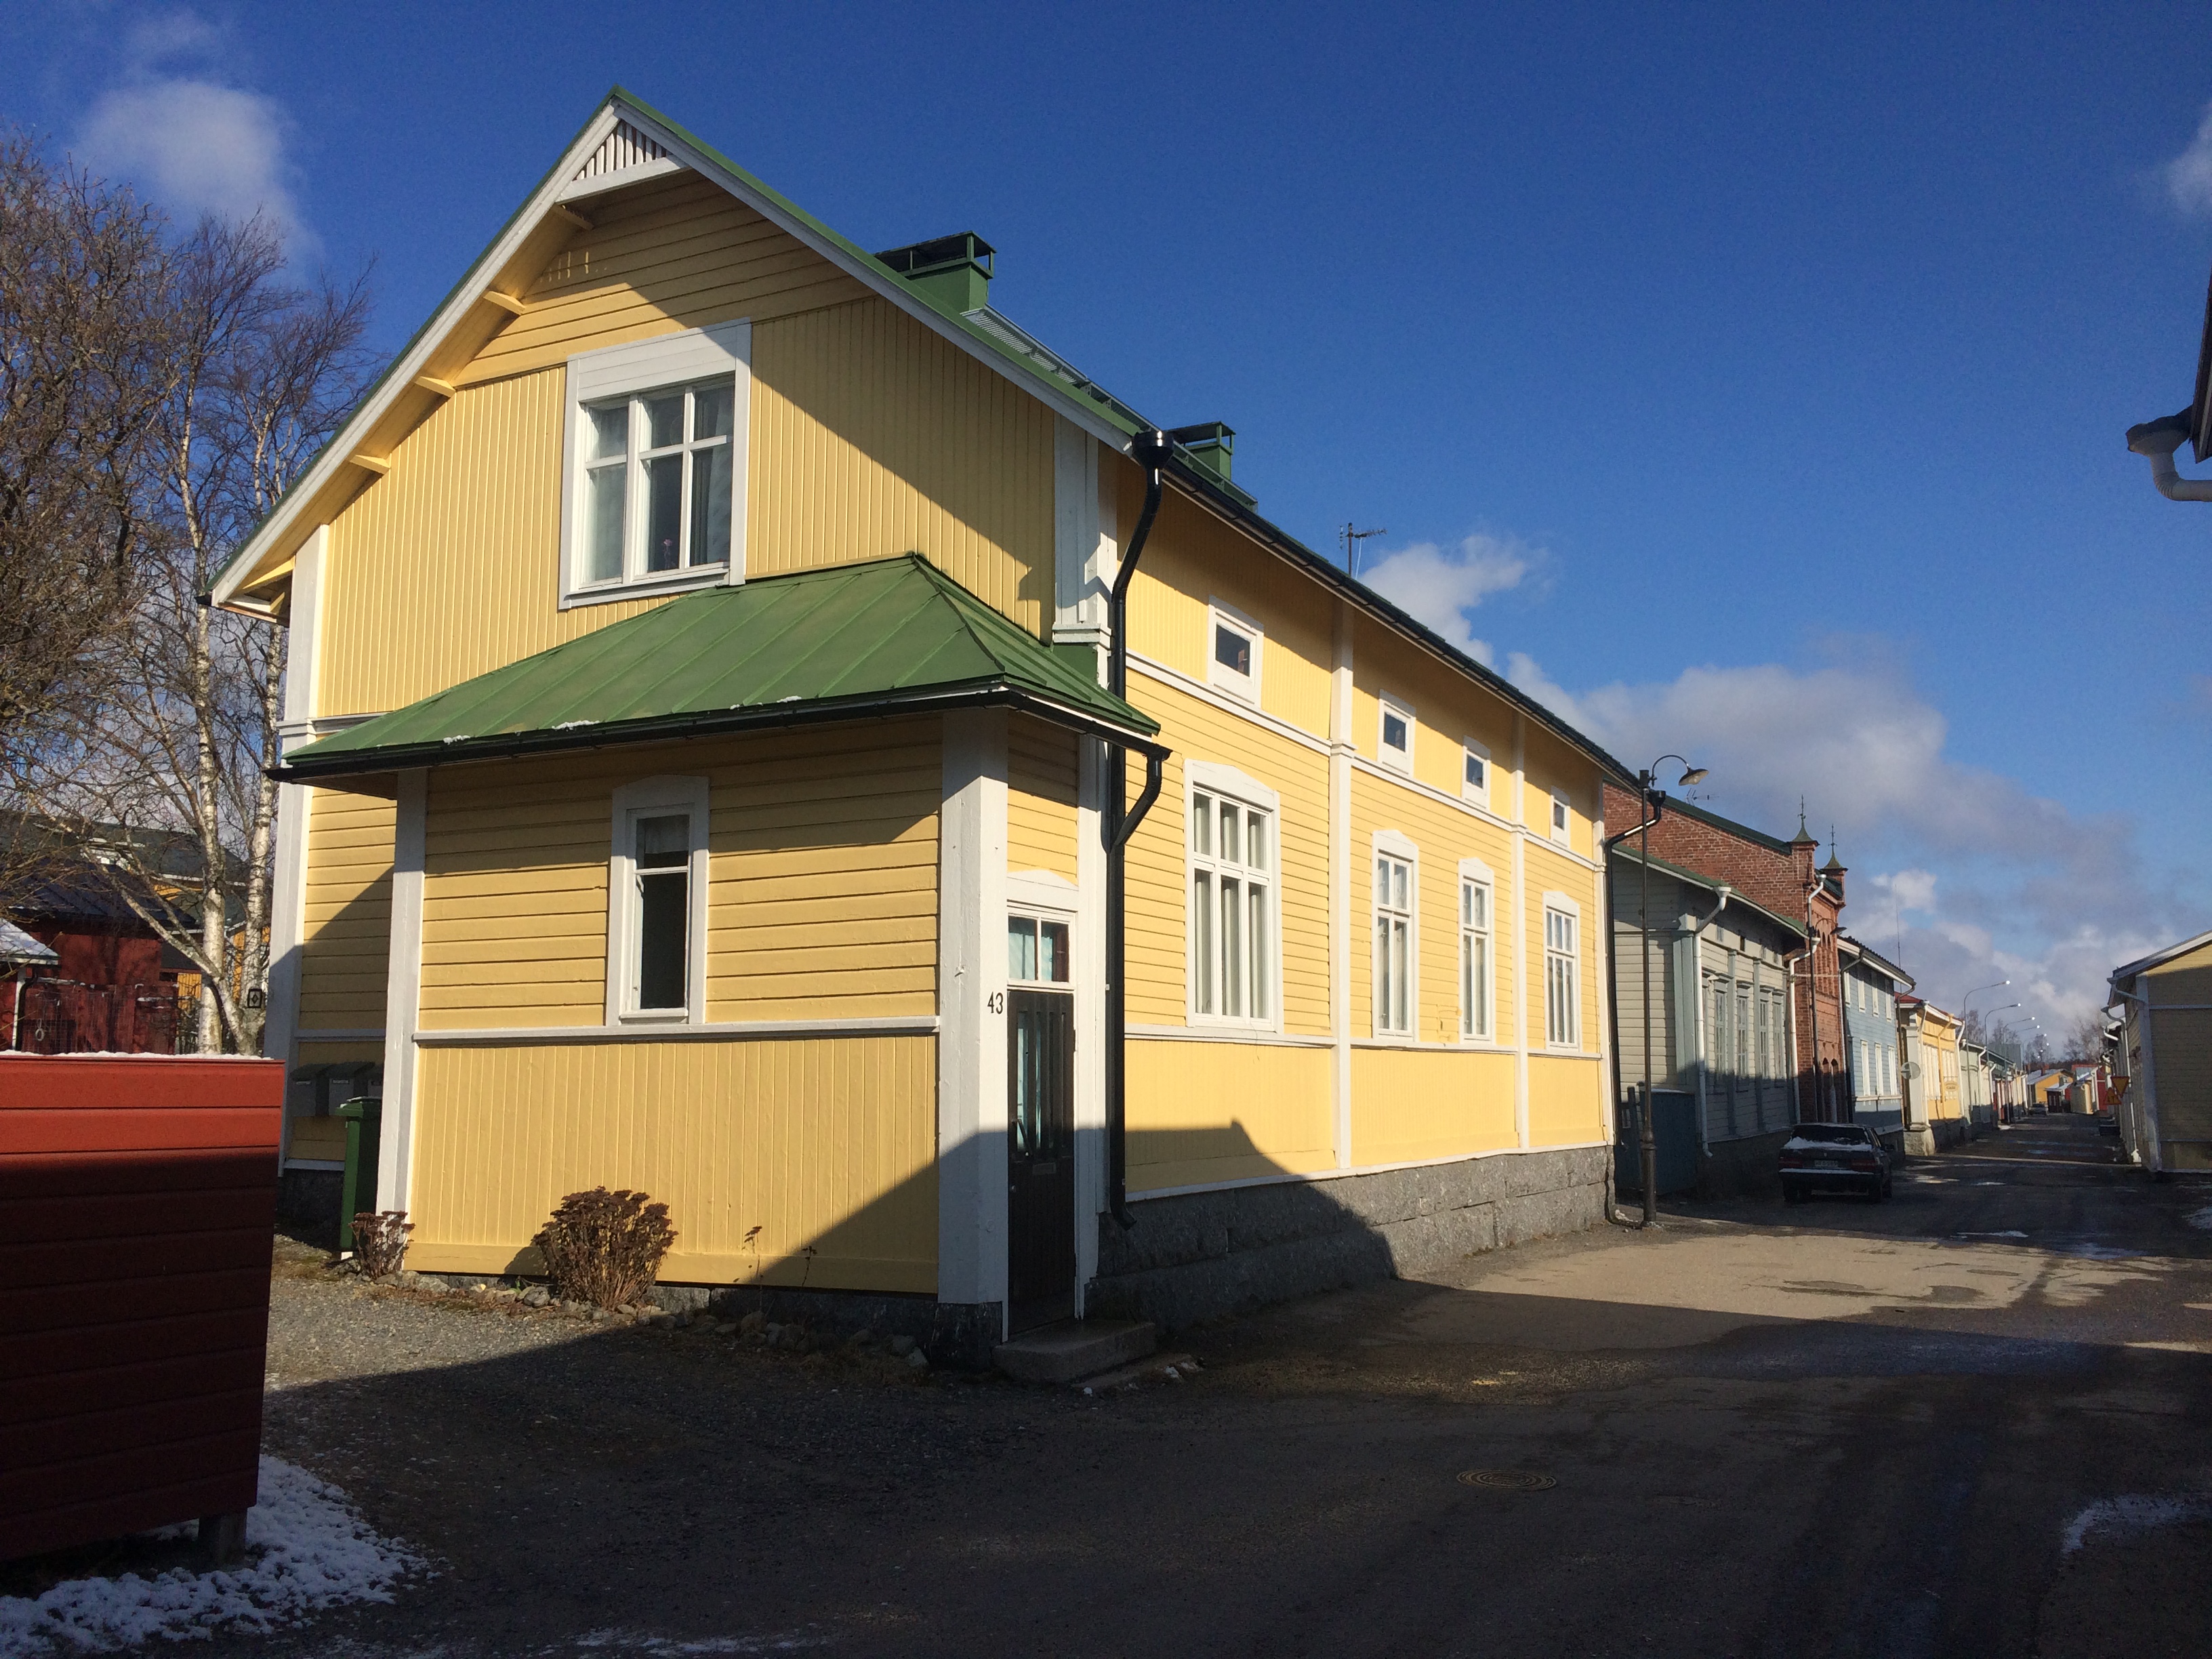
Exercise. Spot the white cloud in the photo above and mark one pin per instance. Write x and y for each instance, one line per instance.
(1440, 587)
(187, 140)
(2189, 175)
(1985, 880)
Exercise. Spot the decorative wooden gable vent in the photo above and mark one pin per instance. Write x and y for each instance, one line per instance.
(621, 150)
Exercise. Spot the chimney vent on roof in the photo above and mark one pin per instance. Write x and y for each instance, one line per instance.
(955, 271)
(1212, 444)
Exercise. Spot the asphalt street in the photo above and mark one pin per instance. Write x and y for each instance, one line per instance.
(1969, 1421)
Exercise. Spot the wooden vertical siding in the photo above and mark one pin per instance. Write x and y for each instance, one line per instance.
(449, 565)
(1411, 1104)
(1041, 783)
(1205, 1112)
(136, 1198)
(821, 898)
(671, 254)
(796, 1162)
(868, 435)
(1157, 869)
(1192, 560)
(347, 916)
(872, 435)
(1566, 1103)
(1443, 835)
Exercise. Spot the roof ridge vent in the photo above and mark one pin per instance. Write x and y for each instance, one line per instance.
(954, 272)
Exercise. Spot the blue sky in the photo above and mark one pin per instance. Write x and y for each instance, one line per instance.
(1749, 385)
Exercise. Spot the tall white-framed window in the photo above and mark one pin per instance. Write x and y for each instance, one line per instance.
(1474, 772)
(1764, 1036)
(654, 465)
(1397, 934)
(1394, 733)
(1233, 852)
(1478, 890)
(1559, 827)
(1563, 982)
(657, 904)
(1234, 644)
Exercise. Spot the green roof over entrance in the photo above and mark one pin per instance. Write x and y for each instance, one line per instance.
(895, 636)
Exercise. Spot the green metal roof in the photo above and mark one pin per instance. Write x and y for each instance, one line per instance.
(888, 637)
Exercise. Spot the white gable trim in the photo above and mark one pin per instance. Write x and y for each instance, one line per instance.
(548, 197)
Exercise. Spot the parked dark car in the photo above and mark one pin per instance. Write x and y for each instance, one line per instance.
(1834, 1157)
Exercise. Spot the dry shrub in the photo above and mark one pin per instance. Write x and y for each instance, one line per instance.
(605, 1248)
(379, 1241)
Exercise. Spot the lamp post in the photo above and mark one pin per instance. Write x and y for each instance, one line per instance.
(1647, 1139)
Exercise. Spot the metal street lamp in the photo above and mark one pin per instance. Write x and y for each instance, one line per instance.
(1966, 1001)
(1647, 1142)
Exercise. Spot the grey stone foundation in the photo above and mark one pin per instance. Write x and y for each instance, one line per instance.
(1199, 1256)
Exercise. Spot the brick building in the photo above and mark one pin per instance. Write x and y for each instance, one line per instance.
(1780, 876)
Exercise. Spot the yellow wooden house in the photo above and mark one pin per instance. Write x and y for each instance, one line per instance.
(701, 775)
(1935, 1099)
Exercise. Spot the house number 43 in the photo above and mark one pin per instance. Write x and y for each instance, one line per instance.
(996, 1002)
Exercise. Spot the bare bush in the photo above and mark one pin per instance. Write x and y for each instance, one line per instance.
(605, 1248)
(379, 1241)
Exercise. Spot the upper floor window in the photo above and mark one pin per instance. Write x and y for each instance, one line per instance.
(657, 482)
(655, 465)
(1235, 665)
(1395, 893)
(1394, 739)
(1474, 773)
(1559, 819)
(1475, 888)
(1562, 1013)
(1232, 904)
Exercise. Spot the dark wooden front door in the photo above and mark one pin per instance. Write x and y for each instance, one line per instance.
(1040, 1157)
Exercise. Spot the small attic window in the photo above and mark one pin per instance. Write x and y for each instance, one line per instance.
(1234, 665)
(1394, 735)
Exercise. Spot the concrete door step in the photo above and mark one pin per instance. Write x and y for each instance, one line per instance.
(1160, 1368)
(1074, 1347)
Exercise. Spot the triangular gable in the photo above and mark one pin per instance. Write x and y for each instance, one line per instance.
(625, 142)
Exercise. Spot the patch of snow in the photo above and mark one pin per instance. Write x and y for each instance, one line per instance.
(2133, 1513)
(306, 1548)
(2203, 1219)
(669, 1647)
(2007, 1233)
(2090, 1250)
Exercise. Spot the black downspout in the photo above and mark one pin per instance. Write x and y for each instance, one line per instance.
(1654, 810)
(1117, 824)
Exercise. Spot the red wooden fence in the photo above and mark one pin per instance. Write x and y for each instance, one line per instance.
(137, 1205)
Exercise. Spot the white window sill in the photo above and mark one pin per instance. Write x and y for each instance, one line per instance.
(649, 587)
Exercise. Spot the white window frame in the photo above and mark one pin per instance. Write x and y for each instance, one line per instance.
(1225, 782)
(1477, 794)
(671, 361)
(1219, 674)
(1399, 761)
(1391, 843)
(649, 798)
(1561, 825)
(1561, 904)
(1478, 1024)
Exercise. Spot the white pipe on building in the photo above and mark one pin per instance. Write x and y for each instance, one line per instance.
(2158, 440)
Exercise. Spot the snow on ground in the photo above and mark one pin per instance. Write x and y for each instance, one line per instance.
(306, 1548)
(2202, 1219)
(2133, 1513)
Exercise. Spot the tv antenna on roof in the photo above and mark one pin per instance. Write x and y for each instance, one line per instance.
(1351, 539)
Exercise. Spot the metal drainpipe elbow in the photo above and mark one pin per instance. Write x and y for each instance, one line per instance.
(2158, 440)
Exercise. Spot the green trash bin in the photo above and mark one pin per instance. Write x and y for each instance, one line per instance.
(364, 1120)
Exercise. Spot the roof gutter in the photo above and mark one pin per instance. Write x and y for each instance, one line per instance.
(997, 694)
(1118, 823)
